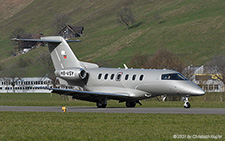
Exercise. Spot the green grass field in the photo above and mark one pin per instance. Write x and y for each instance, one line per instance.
(105, 126)
(102, 126)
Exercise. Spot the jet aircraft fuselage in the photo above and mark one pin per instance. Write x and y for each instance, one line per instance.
(102, 84)
(141, 83)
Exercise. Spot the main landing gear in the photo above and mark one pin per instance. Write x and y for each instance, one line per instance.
(132, 104)
(186, 102)
(101, 103)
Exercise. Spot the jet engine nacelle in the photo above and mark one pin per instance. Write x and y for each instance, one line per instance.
(71, 74)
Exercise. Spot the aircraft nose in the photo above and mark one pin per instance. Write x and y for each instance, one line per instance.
(199, 91)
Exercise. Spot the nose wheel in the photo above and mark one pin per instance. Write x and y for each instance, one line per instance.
(164, 98)
(187, 105)
(186, 102)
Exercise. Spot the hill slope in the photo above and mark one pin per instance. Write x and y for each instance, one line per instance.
(10, 8)
(194, 30)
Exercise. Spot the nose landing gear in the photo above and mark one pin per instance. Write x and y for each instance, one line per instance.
(186, 102)
(164, 98)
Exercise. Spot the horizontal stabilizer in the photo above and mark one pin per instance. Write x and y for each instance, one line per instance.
(44, 40)
(61, 53)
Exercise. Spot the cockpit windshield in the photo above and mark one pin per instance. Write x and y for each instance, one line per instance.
(173, 76)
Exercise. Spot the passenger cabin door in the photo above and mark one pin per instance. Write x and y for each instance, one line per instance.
(119, 76)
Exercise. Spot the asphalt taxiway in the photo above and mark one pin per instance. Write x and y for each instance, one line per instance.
(115, 110)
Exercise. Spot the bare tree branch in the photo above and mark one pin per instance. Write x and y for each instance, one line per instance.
(60, 20)
(126, 16)
(164, 59)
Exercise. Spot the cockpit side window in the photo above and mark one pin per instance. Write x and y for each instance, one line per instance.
(173, 76)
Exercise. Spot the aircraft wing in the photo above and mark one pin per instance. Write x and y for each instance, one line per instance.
(89, 96)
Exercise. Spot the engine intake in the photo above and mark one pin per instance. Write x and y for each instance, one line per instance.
(71, 74)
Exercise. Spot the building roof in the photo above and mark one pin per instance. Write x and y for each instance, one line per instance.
(74, 29)
(77, 28)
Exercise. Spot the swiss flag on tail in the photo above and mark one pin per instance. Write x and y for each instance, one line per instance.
(63, 53)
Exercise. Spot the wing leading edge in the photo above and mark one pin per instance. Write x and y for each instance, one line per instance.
(89, 96)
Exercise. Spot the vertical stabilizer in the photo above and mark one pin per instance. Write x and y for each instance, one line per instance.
(61, 54)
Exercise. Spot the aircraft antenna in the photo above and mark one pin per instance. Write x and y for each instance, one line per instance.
(125, 66)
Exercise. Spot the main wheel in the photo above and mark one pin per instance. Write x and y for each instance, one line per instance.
(101, 105)
(187, 105)
(130, 104)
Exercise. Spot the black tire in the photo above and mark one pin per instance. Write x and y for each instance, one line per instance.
(100, 105)
(130, 104)
(187, 105)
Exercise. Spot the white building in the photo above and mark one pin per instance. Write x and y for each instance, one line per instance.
(25, 85)
(206, 80)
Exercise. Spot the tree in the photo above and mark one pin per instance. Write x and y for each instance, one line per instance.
(139, 60)
(164, 59)
(45, 59)
(216, 66)
(126, 16)
(60, 20)
(15, 33)
(188, 72)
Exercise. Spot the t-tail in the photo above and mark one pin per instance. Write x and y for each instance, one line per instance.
(61, 54)
(66, 64)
